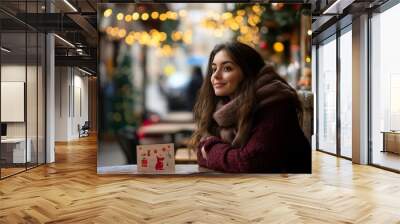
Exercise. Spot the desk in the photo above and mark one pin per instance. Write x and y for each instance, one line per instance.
(16, 147)
(391, 141)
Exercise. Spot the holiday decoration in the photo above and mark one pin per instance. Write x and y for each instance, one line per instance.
(122, 96)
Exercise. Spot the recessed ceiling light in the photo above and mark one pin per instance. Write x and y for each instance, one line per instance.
(337, 7)
(5, 49)
(84, 71)
(70, 5)
(65, 41)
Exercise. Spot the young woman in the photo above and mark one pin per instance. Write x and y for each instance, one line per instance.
(247, 116)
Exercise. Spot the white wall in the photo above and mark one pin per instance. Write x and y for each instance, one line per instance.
(71, 94)
(62, 81)
(81, 113)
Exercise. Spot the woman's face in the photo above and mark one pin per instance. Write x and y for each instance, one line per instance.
(226, 74)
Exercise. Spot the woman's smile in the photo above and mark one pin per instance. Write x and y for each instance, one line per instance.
(219, 85)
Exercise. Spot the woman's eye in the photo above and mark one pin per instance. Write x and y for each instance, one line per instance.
(227, 69)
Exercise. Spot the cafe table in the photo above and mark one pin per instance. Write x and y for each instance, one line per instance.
(178, 117)
(170, 129)
(180, 169)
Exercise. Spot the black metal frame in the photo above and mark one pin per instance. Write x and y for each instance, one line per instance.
(338, 93)
(369, 83)
(0, 94)
(316, 96)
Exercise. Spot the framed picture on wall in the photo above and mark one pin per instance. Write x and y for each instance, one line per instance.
(12, 101)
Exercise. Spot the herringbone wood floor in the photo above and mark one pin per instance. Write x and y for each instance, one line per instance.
(70, 191)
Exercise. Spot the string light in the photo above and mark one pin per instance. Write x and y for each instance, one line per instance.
(114, 31)
(226, 15)
(135, 16)
(163, 36)
(145, 16)
(130, 39)
(241, 12)
(239, 19)
(244, 29)
(108, 30)
(174, 16)
(120, 16)
(256, 8)
(163, 17)
(234, 26)
(169, 14)
(176, 36)
(107, 12)
(154, 15)
(128, 18)
(121, 33)
(278, 47)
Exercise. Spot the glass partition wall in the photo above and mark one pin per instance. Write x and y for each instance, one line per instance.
(22, 77)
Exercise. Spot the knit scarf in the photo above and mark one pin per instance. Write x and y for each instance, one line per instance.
(269, 89)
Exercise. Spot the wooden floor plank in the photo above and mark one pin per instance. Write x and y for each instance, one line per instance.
(70, 191)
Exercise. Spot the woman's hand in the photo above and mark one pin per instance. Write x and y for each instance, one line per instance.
(203, 153)
(205, 138)
(203, 150)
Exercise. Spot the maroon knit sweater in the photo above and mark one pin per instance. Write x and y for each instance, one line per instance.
(276, 144)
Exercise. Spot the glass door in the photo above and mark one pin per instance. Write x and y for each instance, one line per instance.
(326, 99)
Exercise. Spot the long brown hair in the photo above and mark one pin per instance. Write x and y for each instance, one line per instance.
(250, 63)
